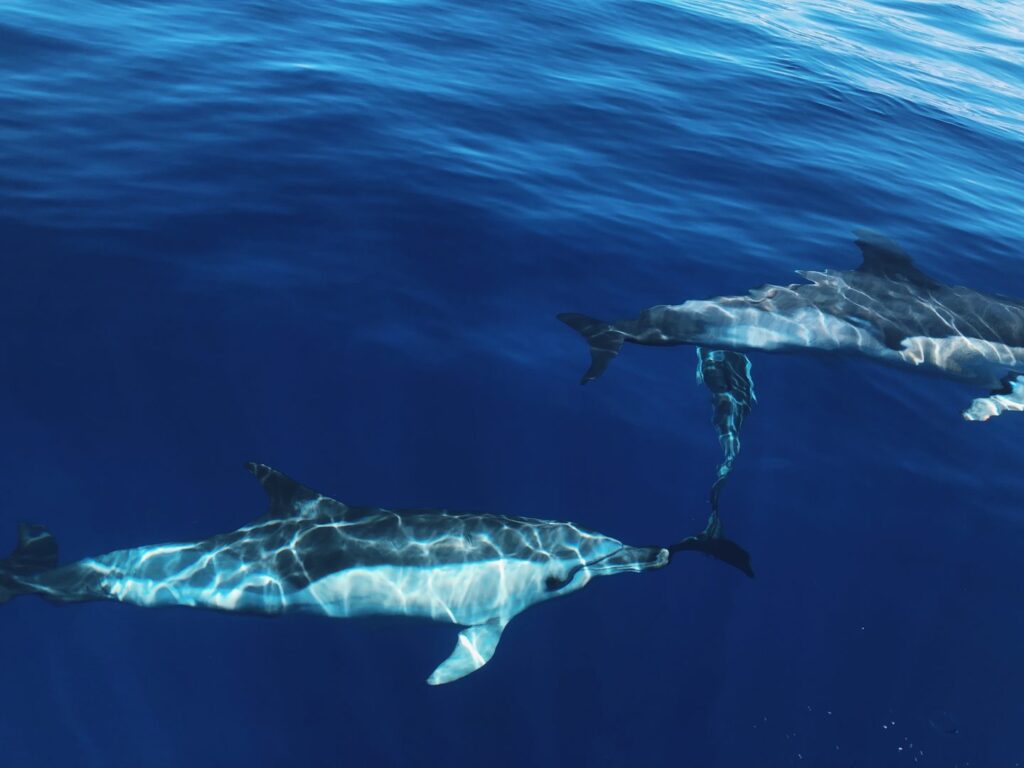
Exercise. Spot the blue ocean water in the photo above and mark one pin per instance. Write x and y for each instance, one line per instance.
(333, 237)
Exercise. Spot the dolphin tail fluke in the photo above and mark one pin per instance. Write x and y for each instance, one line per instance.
(605, 342)
(36, 552)
(718, 547)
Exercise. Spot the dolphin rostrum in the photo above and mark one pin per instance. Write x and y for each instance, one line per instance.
(886, 309)
(312, 554)
(726, 375)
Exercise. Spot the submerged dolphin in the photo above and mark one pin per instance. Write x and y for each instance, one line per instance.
(886, 309)
(312, 554)
(727, 376)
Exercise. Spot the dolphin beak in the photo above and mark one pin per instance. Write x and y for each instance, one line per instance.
(630, 560)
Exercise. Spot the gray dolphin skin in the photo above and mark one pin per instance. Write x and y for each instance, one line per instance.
(726, 375)
(886, 309)
(312, 554)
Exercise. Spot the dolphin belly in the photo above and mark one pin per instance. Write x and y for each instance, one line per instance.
(458, 593)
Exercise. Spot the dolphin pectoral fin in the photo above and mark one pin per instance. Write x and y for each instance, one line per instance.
(1009, 398)
(474, 648)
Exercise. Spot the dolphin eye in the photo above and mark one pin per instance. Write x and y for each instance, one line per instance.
(552, 584)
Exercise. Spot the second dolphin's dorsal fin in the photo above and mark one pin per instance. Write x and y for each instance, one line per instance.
(884, 258)
(289, 498)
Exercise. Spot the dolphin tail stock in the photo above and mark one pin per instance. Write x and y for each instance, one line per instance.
(712, 542)
(604, 341)
(35, 553)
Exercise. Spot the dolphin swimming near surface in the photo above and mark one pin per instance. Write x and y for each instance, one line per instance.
(727, 376)
(886, 309)
(312, 554)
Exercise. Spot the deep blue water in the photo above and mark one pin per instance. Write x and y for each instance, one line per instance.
(333, 237)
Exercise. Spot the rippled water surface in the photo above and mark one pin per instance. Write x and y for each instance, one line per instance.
(333, 237)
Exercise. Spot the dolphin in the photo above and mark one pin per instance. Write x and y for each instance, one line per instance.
(886, 309)
(311, 554)
(726, 375)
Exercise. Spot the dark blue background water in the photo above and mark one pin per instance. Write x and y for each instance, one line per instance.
(333, 237)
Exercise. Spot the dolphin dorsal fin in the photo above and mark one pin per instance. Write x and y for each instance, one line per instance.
(884, 258)
(289, 498)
